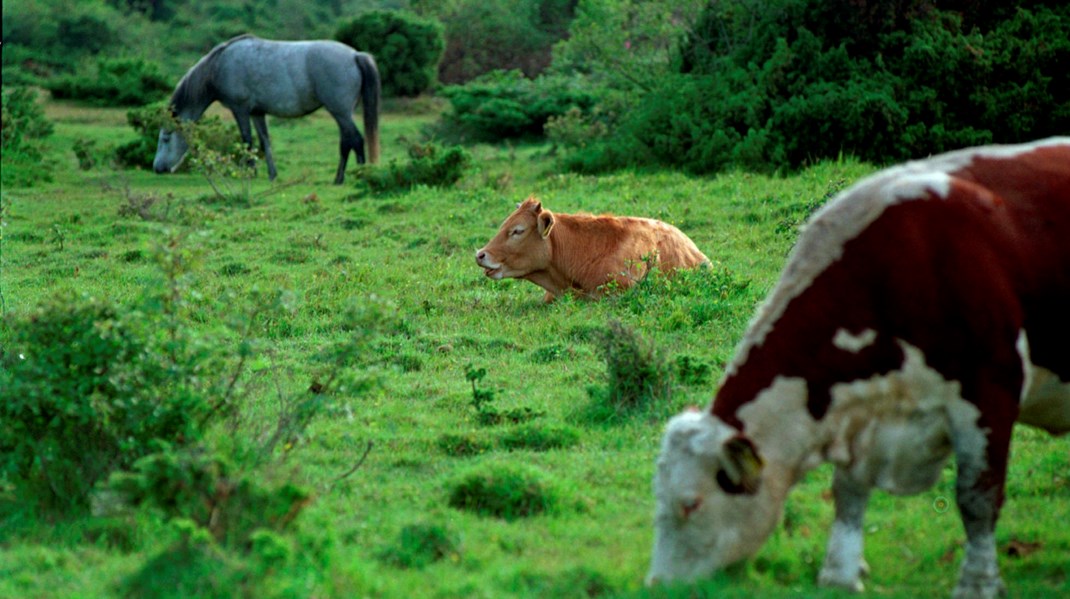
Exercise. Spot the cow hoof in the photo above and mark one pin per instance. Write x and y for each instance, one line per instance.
(834, 579)
(980, 589)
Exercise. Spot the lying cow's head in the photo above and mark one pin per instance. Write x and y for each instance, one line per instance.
(522, 245)
(711, 510)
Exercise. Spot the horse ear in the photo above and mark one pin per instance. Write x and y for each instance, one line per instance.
(546, 223)
(741, 467)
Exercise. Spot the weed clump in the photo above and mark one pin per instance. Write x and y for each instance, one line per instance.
(419, 545)
(540, 437)
(504, 491)
(429, 164)
(463, 444)
(639, 376)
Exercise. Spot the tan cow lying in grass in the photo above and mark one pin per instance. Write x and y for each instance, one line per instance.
(583, 252)
(922, 313)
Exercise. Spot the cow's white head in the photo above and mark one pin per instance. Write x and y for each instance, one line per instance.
(712, 509)
(522, 245)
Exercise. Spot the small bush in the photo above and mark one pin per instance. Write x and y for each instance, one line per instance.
(505, 104)
(213, 132)
(540, 437)
(419, 545)
(24, 126)
(639, 376)
(118, 82)
(406, 47)
(504, 491)
(429, 164)
(692, 371)
(463, 444)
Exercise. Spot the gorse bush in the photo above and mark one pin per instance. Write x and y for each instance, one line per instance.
(118, 82)
(788, 83)
(419, 545)
(24, 127)
(406, 48)
(210, 133)
(504, 491)
(429, 164)
(639, 377)
(505, 104)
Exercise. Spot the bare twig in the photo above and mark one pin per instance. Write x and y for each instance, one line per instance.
(355, 467)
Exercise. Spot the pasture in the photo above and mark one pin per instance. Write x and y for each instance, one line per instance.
(330, 247)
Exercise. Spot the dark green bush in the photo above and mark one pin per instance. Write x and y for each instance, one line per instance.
(484, 36)
(118, 82)
(406, 47)
(419, 545)
(24, 126)
(463, 444)
(212, 133)
(89, 389)
(639, 377)
(504, 491)
(800, 81)
(540, 437)
(429, 164)
(505, 104)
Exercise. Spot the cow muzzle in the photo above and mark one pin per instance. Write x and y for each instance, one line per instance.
(490, 268)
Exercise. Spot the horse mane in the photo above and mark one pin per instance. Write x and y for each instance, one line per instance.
(194, 83)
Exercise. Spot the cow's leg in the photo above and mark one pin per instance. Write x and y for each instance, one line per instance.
(265, 143)
(981, 453)
(844, 565)
(350, 139)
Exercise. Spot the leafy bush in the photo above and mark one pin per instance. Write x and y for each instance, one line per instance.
(118, 82)
(203, 487)
(407, 48)
(89, 389)
(540, 437)
(639, 376)
(504, 491)
(484, 36)
(505, 104)
(796, 81)
(419, 545)
(463, 444)
(23, 127)
(429, 164)
(211, 133)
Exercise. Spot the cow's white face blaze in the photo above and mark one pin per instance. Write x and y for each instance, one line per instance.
(522, 245)
(171, 149)
(710, 502)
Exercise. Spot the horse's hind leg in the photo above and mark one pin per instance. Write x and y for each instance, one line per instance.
(349, 139)
(265, 143)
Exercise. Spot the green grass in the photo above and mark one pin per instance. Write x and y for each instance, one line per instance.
(416, 250)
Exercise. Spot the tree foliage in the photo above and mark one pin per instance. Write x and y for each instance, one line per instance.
(406, 47)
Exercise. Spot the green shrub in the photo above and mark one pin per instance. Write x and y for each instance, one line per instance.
(429, 164)
(203, 487)
(801, 81)
(211, 132)
(463, 444)
(407, 48)
(505, 104)
(118, 82)
(24, 125)
(540, 437)
(88, 389)
(639, 376)
(419, 545)
(504, 491)
(483, 36)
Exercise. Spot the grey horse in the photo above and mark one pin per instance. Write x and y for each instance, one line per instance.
(254, 77)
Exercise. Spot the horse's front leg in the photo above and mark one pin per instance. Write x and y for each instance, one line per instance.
(242, 117)
(844, 565)
(260, 122)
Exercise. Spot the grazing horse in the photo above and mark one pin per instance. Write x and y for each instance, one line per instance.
(922, 313)
(255, 77)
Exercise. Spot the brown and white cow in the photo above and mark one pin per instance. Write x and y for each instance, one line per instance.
(582, 252)
(922, 313)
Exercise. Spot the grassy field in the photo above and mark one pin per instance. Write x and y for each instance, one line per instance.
(332, 247)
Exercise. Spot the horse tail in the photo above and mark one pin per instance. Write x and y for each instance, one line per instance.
(370, 89)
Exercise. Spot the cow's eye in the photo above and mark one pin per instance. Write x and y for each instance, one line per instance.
(517, 232)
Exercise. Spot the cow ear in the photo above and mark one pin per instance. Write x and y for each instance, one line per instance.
(546, 223)
(741, 467)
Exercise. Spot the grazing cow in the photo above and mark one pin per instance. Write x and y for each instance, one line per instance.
(922, 312)
(582, 252)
